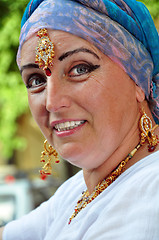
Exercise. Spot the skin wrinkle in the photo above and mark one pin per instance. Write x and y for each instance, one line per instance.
(106, 98)
(103, 32)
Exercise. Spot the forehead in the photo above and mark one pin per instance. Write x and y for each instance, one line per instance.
(62, 40)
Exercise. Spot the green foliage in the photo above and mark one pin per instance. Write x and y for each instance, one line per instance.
(13, 99)
(153, 6)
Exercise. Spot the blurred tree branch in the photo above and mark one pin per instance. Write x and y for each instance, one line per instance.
(13, 100)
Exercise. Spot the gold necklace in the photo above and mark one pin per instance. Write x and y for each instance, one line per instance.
(86, 198)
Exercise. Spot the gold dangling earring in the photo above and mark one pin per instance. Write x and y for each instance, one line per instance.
(48, 152)
(147, 132)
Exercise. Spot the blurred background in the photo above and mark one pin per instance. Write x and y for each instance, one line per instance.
(21, 142)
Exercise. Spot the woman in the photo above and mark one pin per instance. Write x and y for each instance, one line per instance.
(91, 70)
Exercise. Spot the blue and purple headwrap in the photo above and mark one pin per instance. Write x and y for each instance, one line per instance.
(121, 29)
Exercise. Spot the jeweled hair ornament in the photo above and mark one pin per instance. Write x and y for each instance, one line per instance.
(44, 51)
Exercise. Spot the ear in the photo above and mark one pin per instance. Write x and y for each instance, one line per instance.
(140, 95)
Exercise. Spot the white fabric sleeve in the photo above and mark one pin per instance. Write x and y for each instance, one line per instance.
(31, 226)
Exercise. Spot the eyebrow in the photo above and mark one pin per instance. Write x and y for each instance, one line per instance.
(29, 65)
(70, 53)
(61, 58)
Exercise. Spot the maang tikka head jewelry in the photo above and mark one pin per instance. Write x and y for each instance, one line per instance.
(44, 51)
(46, 157)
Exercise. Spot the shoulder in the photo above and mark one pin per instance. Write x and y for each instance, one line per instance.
(147, 166)
(142, 177)
(36, 224)
(131, 204)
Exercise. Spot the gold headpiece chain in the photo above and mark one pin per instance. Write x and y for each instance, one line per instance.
(44, 51)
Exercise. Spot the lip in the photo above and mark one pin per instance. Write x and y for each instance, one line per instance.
(69, 132)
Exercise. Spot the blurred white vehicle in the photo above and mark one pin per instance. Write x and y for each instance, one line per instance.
(16, 200)
(19, 195)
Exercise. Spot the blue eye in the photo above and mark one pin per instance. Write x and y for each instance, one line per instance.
(35, 81)
(82, 69)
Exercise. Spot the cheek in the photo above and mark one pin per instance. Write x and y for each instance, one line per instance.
(112, 98)
(37, 107)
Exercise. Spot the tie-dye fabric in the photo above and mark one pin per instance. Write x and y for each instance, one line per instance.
(121, 29)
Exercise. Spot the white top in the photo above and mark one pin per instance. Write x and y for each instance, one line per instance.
(127, 210)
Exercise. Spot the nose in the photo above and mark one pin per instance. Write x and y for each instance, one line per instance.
(57, 96)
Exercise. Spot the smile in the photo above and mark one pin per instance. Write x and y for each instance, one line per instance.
(68, 125)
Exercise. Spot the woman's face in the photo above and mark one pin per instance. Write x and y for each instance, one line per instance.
(87, 107)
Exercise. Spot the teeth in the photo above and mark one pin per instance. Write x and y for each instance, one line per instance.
(68, 125)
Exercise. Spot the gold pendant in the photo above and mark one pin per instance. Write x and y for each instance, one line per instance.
(44, 51)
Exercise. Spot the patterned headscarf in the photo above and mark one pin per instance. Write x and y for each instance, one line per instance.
(121, 29)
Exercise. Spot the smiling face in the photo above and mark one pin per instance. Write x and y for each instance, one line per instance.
(88, 107)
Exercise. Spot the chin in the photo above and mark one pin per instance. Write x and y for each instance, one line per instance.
(80, 160)
(73, 157)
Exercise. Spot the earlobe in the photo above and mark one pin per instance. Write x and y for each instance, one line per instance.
(140, 95)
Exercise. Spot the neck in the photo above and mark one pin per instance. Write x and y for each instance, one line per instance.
(94, 176)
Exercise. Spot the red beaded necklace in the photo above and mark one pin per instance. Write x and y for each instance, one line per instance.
(146, 135)
(86, 198)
